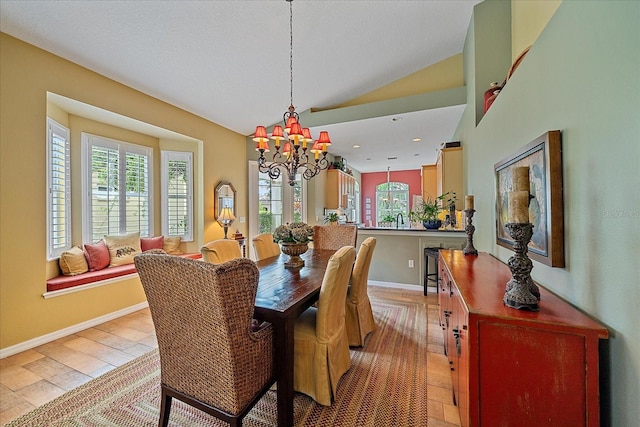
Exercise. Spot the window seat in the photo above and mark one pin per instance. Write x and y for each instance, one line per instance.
(63, 282)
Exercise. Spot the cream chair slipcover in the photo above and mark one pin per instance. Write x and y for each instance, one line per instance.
(334, 236)
(210, 357)
(359, 317)
(219, 251)
(321, 349)
(265, 247)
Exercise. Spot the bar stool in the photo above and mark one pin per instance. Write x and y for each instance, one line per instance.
(430, 277)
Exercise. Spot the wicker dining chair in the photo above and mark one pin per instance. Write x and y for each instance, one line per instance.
(359, 316)
(265, 247)
(210, 357)
(321, 345)
(221, 250)
(334, 236)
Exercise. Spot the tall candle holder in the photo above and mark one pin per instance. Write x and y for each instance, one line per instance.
(521, 292)
(469, 229)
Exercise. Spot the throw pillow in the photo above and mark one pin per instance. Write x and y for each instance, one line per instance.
(73, 262)
(122, 249)
(147, 243)
(97, 255)
(171, 245)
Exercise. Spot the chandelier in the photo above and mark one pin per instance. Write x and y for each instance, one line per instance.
(291, 156)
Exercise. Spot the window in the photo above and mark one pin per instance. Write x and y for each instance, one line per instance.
(58, 189)
(177, 194)
(116, 188)
(278, 202)
(274, 202)
(392, 198)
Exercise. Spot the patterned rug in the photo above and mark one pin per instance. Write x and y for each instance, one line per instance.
(385, 386)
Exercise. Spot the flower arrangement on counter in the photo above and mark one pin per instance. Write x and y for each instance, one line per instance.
(296, 232)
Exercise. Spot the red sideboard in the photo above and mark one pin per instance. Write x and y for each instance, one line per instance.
(514, 367)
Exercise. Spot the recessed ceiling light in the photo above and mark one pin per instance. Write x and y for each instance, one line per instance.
(368, 158)
(417, 139)
(417, 154)
(356, 146)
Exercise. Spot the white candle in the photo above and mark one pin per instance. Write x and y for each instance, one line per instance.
(468, 202)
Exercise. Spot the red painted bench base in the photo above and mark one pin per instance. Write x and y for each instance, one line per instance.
(63, 282)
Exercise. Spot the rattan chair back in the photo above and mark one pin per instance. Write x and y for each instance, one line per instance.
(210, 357)
(334, 236)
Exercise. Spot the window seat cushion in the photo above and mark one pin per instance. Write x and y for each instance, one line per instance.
(63, 282)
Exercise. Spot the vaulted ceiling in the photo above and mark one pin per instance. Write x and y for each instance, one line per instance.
(228, 61)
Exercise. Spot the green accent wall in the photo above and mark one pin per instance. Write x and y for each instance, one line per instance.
(582, 76)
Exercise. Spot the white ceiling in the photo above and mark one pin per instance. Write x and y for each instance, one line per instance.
(228, 61)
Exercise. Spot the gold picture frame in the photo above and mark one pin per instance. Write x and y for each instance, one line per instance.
(544, 158)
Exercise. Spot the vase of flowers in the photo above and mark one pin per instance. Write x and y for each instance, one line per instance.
(294, 240)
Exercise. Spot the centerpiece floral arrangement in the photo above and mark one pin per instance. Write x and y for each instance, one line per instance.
(296, 232)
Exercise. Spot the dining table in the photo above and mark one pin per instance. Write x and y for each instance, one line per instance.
(283, 294)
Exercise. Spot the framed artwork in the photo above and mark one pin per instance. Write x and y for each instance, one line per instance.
(544, 158)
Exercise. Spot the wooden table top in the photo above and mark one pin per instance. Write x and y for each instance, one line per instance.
(283, 289)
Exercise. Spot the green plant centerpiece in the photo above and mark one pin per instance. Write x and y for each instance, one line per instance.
(294, 240)
(331, 218)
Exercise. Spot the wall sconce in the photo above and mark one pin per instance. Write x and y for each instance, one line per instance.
(225, 218)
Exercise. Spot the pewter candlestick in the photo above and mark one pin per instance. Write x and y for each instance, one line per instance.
(521, 292)
(469, 229)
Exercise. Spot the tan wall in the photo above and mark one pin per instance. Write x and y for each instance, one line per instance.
(528, 19)
(26, 75)
(445, 74)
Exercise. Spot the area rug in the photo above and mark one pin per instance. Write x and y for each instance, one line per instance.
(385, 386)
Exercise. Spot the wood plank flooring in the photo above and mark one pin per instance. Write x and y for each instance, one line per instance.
(34, 377)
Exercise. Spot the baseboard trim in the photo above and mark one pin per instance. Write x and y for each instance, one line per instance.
(407, 286)
(32, 343)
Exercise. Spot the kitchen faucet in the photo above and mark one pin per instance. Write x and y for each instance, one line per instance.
(399, 216)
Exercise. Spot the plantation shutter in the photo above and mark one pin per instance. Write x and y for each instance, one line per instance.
(119, 188)
(177, 194)
(59, 189)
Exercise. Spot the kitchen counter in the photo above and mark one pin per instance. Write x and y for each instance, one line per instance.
(399, 253)
(408, 231)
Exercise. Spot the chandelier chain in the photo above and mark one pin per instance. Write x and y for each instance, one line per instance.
(294, 158)
(291, 48)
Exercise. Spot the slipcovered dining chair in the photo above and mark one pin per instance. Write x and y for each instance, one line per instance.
(219, 251)
(359, 316)
(334, 236)
(321, 345)
(210, 358)
(265, 247)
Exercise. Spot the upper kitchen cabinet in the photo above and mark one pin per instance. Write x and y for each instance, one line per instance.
(340, 190)
(449, 173)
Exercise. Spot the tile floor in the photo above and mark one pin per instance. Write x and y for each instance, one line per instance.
(36, 376)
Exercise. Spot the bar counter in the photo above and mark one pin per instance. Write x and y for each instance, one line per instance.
(399, 253)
